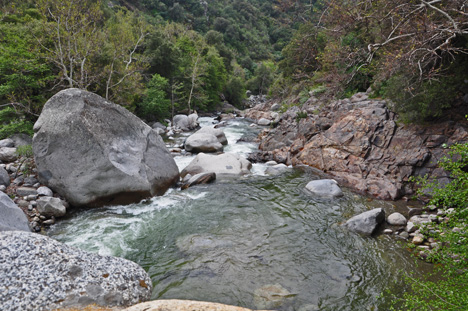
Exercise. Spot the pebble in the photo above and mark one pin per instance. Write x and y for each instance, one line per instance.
(417, 240)
(3, 188)
(456, 229)
(388, 231)
(49, 222)
(36, 219)
(30, 207)
(404, 235)
(23, 203)
(410, 227)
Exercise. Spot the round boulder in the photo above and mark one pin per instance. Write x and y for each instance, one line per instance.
(203, 142)
(216, 132)
(226, 164)
(39, 273)
(49, 206)
(324, 188)
(396, 219)
(96, 153)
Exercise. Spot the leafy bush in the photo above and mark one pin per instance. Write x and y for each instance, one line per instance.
(156, 105)
(449, 292)
(13, 123)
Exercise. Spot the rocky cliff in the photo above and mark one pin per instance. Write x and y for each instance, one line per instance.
(359, 141)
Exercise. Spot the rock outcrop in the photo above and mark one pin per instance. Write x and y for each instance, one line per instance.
(94, 153)
(226, 164)
(39, 273)
(358, 142)
(11, 216)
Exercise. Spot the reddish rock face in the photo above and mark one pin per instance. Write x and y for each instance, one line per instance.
(358, 141)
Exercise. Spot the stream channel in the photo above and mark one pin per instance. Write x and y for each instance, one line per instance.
(257, 241)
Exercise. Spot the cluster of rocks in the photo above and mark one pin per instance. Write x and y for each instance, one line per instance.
(358, 142)
(420, 228)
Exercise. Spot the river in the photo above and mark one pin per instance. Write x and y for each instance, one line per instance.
(239, 240)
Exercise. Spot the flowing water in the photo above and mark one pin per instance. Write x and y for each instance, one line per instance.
(258, 241)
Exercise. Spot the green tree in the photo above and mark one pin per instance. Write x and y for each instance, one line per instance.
(156, 104)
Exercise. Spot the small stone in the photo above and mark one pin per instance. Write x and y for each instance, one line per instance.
(388, 231)
(410, 227)
(435, 245)
(23, 203)
(31, 197)
(26, 191)
(33, 203)
(404, 235)
(417, 240)
(456, 230)
(396, 219)
(36, 219)
(36, 185)
(3, 188)
(431, 207)
(30, 207)
(271, 163)
(44, 191)
(423, 247)
(42, 217)
(18, 180)
(49, 222)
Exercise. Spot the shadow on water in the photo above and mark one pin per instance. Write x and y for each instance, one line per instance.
(256, 242)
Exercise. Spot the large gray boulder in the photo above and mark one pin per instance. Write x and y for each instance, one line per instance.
(367, 222)
(226, 164)
(203, 142)
(216, 132)
(11, 216)
(4, 177)
(324, 188)
(186, 123)
(96, 153)
(39, 273)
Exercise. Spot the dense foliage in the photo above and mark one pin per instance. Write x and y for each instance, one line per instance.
(413, 51)
(450, 292)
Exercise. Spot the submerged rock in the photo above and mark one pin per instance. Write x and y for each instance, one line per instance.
(11, 217)
(366, 223)
(227, 164)
(183, 305)
(325, 188)
(96, 153)
(39, 273)
(271, 296)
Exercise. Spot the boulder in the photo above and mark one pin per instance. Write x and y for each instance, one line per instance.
(227, 164)
(7, 142)
(8, 154)
(158, 125)
(186, 123)
(396, 219)
(202, 178)
(4, 177)
(367, 222)
(11, 216)
(263, 122)
(183, 305)
(49, 206)
(203, 142)
(216, 132)
(276, 169)
(44, 191)
(96, 153)
(324, 188)
(39, 273)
